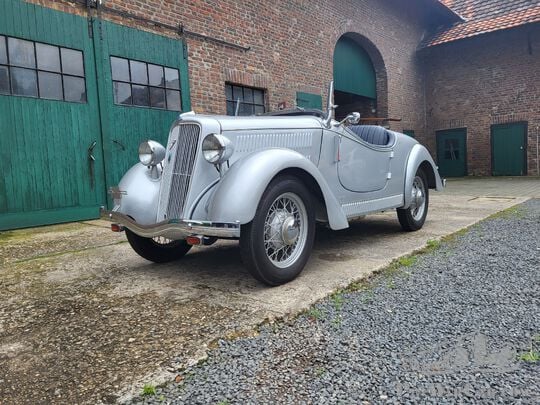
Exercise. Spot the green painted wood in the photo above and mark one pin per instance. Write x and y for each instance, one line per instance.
(353, 69)
(409, 132)
(508, 147)
(125, 127)
(309, 100)
(452, 152)
(44, 143)
(47, 217)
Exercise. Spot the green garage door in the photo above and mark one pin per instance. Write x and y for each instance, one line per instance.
(141, 81)
(75, 106)
(452, 152)
(50, 140)
(508, 146)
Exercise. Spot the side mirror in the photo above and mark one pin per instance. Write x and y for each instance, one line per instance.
(352, 119)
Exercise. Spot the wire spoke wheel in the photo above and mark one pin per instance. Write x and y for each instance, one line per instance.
(277, 243)
(285, 230)
(418, 199)
(413, 217)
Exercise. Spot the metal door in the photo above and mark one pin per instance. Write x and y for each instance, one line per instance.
(508, 147)
(452, 152)
(363, 168)
(50, 141)
(126, 119)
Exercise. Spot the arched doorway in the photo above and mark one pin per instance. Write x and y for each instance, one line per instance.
(359, 77)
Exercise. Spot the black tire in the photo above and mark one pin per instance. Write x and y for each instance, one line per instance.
(155, 251)
(256, 246)
(410, 218)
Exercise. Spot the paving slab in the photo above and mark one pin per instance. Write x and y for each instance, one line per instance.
(83, 319)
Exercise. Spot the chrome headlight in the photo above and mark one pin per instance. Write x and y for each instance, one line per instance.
(151, 153)
(217, 148)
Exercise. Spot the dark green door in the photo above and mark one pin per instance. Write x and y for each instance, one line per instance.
(50, 142)
(508, 146)
(143, 86)
(452, 152)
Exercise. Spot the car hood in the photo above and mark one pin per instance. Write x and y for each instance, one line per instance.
(228, 123)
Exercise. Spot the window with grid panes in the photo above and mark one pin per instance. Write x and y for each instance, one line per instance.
(36, 69)
(143, 84)
(248, 100)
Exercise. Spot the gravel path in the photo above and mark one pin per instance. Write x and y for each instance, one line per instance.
(449, 327)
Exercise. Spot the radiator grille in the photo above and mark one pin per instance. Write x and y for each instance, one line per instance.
(178, 179)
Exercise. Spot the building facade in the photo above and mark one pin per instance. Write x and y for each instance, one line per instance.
(82, 82)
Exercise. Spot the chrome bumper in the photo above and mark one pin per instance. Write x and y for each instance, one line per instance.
(174, 228)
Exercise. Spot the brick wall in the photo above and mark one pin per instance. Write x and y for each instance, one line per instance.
(486, 80)
(291, 47)
(471, 83)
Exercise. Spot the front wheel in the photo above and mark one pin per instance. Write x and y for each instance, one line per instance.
(413, 218)
(277, 243)
(157, 250)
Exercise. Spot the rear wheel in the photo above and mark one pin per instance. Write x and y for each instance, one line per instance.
(158, 249)
(276, 245)
(413, 218)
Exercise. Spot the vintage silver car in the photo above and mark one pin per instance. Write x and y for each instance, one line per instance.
(266, 181)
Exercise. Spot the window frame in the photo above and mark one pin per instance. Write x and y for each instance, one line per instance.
(36, 70)
(242, 102)
(148, 86)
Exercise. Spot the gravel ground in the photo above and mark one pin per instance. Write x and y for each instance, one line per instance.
(449, 327)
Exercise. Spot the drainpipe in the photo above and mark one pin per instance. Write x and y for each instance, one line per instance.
(537, 156)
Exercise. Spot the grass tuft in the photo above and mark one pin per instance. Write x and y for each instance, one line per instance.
(148, 390)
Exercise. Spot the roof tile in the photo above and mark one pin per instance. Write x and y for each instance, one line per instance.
(483, 16)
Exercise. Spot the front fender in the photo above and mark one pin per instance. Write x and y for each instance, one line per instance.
(420, 156)
(140, 195)
(238, 193)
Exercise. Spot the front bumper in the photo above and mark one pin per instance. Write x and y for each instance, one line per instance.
(173, 228)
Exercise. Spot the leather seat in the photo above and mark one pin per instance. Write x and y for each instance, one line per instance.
(373, 134)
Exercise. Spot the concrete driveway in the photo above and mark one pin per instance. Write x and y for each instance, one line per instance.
(83, 319)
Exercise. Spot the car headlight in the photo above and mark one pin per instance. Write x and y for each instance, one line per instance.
(151, 153)
(217, 148)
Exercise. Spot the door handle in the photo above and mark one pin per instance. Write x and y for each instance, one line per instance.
(91, 160)
(119, 144)
(91, 150)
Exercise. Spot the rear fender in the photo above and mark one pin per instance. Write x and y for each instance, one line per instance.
(237, 195)
(420, 158)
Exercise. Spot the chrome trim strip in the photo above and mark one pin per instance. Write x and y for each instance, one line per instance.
(178, 227)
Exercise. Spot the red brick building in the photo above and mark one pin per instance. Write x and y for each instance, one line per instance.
(462, 76)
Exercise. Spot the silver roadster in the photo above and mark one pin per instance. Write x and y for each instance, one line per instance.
(266, 181)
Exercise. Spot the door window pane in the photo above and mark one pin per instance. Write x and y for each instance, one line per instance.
(74, 89)
(50, 85)
(140, 95)
(173, 100)
(24, 82)
(155, 74)
(120, 69)
(451, 149)
(122, 93)
(72, 62)
(171, 78)
(157, 97)
(21, 53)
(48, 57)
(139, 74)
(4, 80)
(259, 109)
(3, 50)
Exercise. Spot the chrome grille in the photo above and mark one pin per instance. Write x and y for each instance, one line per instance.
(177, 176)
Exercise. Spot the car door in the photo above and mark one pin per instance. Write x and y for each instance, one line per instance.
(363, 167)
